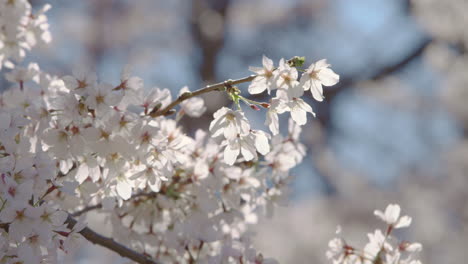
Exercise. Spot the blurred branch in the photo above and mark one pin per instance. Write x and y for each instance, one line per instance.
(325, 174)
(348, 83)
(110, 243)
(381, 73)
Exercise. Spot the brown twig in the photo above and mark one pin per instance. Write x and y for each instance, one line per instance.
(201, 91)
(110, 244)
(99, 205)
(87, 209)
(103, 241)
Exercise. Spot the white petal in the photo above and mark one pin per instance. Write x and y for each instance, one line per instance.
(305, 82)
(328, 77)
(295, 91)
(183, 90)
(257, 87)
(91, 134)
(124, 189)
(299, 116)
(317, 90)
(257, 70)
(135, 83)
(261, 143)
(112, 98)
(59, 217)
(392, 213)
(230, 153)
(221, 112)
(244, 125)
(156, 186)
(267, 63)
(414, 247)
(405, 221)
(321, 64)
(248, 151)
(201, 169)
(194, 107)
(216, 127)
(230, 132)
(70, 82)
(82, 173)
(380, 215)
(304, 106)
(272, 122)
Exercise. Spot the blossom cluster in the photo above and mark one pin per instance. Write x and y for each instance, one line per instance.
(21, 30)
(71, 142)
(74, 144)
(382, 247)
(233, 125)
(32, 229)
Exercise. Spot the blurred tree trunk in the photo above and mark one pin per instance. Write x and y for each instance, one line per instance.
(208, 23)
(208, 26)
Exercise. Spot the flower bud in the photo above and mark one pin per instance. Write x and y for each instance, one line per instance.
(265, 105)
(254, 107)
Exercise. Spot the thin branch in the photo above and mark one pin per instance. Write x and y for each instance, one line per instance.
(206, 89)
(381, 73)
(4, 226)
(99, 205)
(87, 209)
(110, 244)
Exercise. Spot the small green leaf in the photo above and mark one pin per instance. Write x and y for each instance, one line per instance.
(296, 61)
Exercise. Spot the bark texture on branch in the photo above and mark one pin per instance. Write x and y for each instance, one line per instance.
(111, 244)
(201, 91)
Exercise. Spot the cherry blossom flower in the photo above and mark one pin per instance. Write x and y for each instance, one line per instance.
(377, 242)
(22, 75)
(315, 76)
(131, 87)
(101, 97)
(81, 80)
(336, 250)
(154, 98)
(265, 77)
(13, 191)
(391, 216)
(193, 107)
(151, 176)
(247, 145)
(20, 224)
(244, 145)
(277, 106)
(88, 167)
(229, 123)
(297, 106)
(287, 76)
(73, 238)
(381, 248)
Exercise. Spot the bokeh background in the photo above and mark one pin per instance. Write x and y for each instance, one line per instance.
(394, 130)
